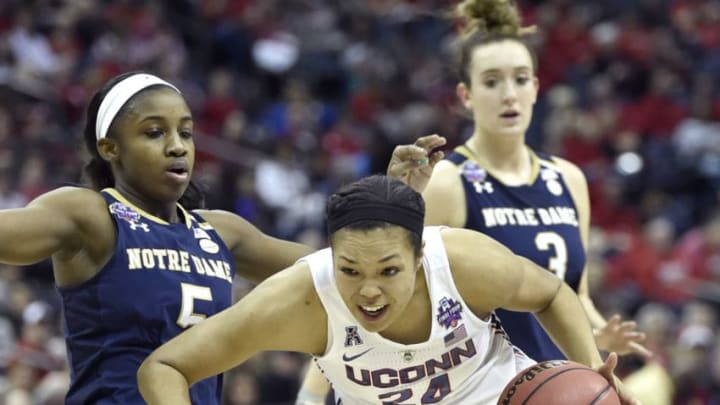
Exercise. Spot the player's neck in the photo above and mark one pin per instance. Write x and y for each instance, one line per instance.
(163, 210)
(510, 161)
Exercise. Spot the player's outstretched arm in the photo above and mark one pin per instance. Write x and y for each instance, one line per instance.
(274, 316)
(614, 334)
(490, 276)
(60, 221)
(257, 255)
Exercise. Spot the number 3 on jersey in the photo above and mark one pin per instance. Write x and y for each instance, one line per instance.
(190, 293)
(557, 263)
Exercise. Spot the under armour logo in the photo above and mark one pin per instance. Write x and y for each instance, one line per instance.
(484, 186)
(351, 336)
(135, 225)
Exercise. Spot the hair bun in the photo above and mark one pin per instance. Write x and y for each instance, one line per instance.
(494, 17)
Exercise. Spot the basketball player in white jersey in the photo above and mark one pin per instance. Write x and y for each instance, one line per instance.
(393, 312)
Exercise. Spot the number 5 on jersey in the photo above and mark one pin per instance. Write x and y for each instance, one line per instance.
(190, 293)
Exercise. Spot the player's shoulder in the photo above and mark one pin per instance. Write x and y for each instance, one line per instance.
(69, 193)
(461, 243)
(573, 175)
(82, 215)
(225, 222)
(294, 283)
(445, 174)
(72, 199)
(446, 165)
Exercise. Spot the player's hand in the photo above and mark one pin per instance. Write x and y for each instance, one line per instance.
(607, 371)
(413, 164)
(621, 337)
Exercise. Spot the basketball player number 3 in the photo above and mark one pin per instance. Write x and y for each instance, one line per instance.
(190, 293)
(551, 240)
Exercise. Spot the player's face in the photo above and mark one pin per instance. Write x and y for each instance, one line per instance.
(375, 272)
(155, 146)
(503, 88)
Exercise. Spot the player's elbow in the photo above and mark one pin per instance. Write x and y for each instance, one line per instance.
(147, 373)
(557, 296)
(158, 379)
(552, 293)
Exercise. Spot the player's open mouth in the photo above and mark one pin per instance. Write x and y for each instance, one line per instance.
(373, 311)
(180, 174)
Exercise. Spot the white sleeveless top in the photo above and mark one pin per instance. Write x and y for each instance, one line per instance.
(466, 360)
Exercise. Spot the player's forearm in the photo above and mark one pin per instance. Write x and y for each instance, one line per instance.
(566, 323)
(597, 321)
(160, 384)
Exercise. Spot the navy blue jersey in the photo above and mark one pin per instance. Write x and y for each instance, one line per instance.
(161, 279)
(537, 221)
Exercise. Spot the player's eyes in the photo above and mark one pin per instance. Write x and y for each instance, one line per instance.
(348, 271)
(490, 83)
(390, 271)
(154, 133)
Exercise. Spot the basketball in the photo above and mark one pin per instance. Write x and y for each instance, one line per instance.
(559, 382)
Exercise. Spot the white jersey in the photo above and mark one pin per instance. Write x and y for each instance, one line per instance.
(466, 360)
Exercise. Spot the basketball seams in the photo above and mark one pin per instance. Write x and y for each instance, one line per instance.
(530, 386)
(547, 380)
(601, 395)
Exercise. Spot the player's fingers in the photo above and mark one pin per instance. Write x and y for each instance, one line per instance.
(627, 326)
(399, 169)
(636, 336)
(436, 157)
(430, 142)
(609, 366)
(409, 152)
(641, 350)
(614, 320)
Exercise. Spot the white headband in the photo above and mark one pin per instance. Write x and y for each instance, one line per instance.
(116, 98)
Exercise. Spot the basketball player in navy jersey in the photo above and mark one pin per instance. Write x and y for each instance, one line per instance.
(133, 264)
(394, 312)
(535, 204)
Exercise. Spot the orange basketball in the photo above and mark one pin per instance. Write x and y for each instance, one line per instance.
(559, 382)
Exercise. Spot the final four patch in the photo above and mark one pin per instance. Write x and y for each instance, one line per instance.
(124, 212)
(472, 172)
(128, 215)
(449, 312)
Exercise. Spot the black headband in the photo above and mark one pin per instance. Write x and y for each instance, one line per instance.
(408, 218)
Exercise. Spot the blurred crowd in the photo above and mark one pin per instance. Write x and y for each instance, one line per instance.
(293, 97)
